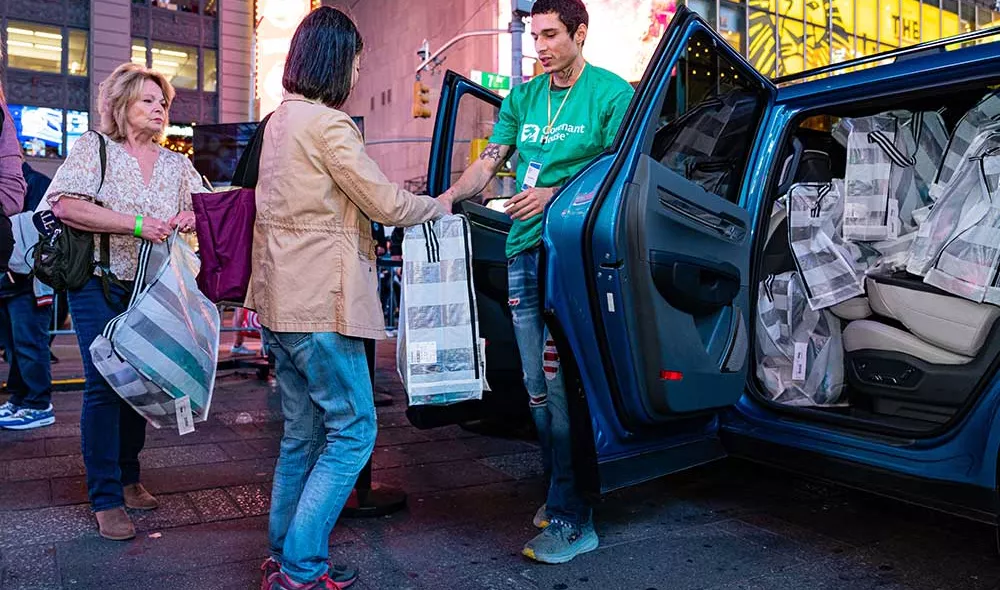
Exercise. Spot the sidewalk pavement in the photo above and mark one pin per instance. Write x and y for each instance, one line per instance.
(471, 499)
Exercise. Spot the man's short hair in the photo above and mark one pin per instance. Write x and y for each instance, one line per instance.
(572, 13)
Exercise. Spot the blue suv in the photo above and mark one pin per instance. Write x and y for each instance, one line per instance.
(653, 273)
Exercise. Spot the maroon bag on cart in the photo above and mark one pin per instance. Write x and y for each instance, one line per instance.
(224, 222)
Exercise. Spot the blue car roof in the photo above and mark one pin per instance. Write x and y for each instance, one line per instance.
(977, 62)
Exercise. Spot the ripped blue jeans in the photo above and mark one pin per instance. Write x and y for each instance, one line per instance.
(543, 379)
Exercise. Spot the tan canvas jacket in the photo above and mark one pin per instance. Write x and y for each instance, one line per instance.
(313, 252)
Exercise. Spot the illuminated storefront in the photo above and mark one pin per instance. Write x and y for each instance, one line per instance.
(276, 23)
(781, 36)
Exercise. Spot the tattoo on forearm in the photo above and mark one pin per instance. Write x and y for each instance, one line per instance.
(493, 152)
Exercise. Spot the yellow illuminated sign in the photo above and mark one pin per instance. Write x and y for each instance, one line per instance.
(789, 36)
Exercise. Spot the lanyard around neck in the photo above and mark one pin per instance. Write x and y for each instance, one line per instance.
(551, 119)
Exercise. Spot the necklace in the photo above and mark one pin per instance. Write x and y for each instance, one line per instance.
(551, 119)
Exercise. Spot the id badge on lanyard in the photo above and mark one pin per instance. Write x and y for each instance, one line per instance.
(531, 176)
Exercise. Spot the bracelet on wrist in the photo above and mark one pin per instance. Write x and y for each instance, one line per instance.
(138, 226)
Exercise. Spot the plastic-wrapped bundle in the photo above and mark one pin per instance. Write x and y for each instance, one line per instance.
(829, 267)
(963, 193)
(969, 263)
(703, 148)
(800, 353)
(439, 355)
(921, 137)
(161, 354)
(981, 118)
(869, 206)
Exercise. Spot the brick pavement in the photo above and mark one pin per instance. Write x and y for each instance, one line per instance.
(727, 526)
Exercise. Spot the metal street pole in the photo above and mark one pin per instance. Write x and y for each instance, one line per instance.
(516, 51)
(519, 10)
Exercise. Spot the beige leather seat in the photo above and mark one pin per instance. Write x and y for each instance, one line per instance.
(855, 308)
(940, 329)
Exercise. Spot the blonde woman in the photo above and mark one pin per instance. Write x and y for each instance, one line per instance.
(146, 194)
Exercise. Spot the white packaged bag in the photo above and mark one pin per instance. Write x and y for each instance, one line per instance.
(983, 117)
(830, 269)
(800, 351)
(969, 263)
(439, 354)
(954, 204)
(869, 205)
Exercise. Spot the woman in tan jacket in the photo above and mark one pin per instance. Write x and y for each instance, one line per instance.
(314, 288)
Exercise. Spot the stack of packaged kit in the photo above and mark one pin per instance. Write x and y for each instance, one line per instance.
(912, 199)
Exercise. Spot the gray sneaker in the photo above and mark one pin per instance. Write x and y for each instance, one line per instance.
(7, 410)
(561, 541)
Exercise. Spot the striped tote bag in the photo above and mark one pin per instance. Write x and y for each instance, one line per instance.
(969, 263)
(439, 353)
(161, 354)
(828, 266)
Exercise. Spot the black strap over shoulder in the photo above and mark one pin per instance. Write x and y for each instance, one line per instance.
(248, 168)
(103, 151)
(104, 261)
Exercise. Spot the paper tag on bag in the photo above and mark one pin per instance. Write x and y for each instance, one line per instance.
(855, 210)
(482, 363)
(423, 353)
(894, 222)
(799, 362)
(185, 420)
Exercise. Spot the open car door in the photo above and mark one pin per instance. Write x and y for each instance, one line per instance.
(667, 240)
(465, 118)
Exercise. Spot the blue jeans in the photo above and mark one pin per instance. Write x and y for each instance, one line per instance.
(543, 378)
(27, 343)
(327, 400)
(113, 433)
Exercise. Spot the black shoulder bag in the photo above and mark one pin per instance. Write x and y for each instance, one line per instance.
(64, 256)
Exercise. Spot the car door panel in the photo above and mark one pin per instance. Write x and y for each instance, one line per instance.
(660, 338)
(690, 259)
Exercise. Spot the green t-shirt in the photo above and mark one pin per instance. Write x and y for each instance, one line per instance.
(585, 126)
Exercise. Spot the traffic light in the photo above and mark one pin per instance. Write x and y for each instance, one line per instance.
(421, 97)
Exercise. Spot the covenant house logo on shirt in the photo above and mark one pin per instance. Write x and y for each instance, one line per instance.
(531, 133)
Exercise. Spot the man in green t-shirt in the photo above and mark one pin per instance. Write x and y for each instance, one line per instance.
(558, 123)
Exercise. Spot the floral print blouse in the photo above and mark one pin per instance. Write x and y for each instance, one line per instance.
(125, 190)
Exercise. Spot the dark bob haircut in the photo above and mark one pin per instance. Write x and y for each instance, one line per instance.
(320, 61)
(572, 13)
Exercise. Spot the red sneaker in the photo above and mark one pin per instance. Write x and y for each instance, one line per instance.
(340, 576)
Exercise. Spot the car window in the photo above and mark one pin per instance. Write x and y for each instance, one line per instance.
(709, 118)
(473, 128)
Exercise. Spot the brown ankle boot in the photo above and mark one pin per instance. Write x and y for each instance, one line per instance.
(138, 498)
(115, 524)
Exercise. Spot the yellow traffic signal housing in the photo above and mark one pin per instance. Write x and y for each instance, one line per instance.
(421, 98)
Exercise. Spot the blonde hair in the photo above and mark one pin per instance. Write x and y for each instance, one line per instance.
(120, 90)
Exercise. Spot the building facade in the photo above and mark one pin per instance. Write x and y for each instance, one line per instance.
(778, 37)
(393, 31)
(57, 52)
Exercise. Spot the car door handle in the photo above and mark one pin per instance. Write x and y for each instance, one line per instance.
(719, 223)
(693, 285)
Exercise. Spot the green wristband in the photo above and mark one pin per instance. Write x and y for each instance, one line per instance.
(138, 226)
